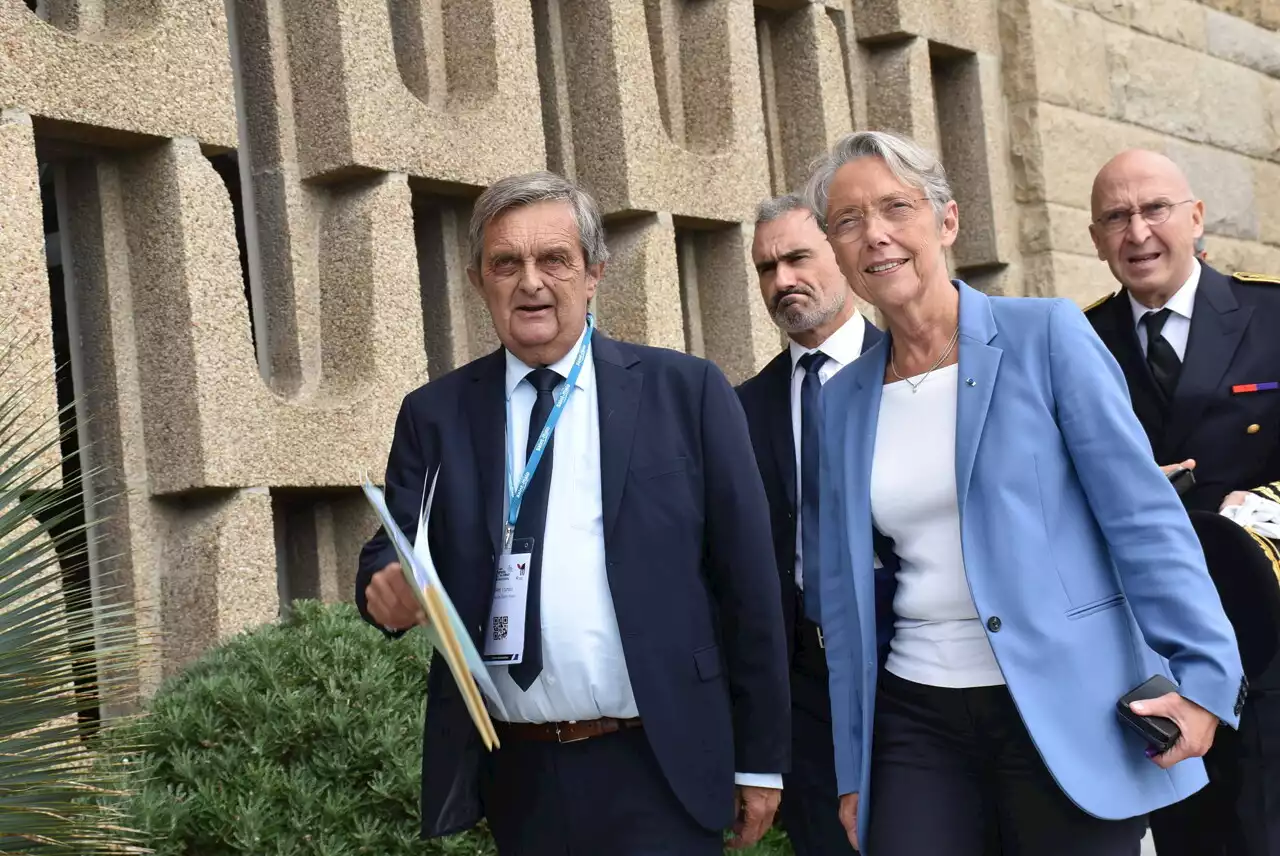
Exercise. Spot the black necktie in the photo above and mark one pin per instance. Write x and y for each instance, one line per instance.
(810, 420)
(1162, 359)
(532, 523)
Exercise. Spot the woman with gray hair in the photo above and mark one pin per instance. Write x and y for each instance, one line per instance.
(1037, 565)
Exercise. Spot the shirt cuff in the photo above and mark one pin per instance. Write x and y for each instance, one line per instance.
(758, 780)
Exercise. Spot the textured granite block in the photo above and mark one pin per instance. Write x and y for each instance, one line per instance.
(161, 70)
(806, 95)
(967, 26)
(210, 419)
(26, 341)
(665, 99)
(219, 560)
(900, 94)
(639, 298)
(445, 91)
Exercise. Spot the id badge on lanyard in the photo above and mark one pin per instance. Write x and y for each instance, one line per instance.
(504, 641)
(504, 644)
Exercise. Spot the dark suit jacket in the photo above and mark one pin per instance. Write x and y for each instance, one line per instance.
(687, 557)
(1235, 339)
(766, 398)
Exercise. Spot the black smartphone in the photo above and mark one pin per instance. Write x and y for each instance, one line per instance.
(1160, 732)
(1182, 479)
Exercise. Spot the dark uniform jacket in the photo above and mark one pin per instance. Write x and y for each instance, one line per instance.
(1225, 411)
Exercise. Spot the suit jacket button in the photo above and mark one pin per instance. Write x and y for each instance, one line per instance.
(1254, 428)
(993, 624)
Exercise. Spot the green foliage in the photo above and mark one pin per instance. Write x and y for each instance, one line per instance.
(302, 738)
(56, 794)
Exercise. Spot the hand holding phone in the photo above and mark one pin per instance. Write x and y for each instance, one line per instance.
(1158, 731)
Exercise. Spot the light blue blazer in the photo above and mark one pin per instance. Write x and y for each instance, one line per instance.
(1071, 536)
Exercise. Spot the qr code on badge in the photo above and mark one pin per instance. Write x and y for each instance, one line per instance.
(499, 627)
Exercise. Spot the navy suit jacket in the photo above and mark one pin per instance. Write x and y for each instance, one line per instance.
(687, 556)
(766, 398)
(1235, 339)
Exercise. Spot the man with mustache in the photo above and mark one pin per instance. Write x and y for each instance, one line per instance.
(1201, 355)
(810, 301)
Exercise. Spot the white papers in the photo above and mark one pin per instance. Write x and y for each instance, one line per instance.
(445, 629)
(1260, 515)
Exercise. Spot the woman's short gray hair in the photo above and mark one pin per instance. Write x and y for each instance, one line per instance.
(517, 191)
(910, 163)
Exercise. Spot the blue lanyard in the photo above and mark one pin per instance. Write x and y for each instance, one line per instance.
(516, 496)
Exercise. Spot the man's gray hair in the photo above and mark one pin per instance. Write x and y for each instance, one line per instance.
(910, 163)
(773, 208)
(517, 191)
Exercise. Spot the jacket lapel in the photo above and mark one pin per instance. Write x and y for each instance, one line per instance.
(619, 381)
(1218, 323)
(488, 420)
(976, 379)
(870, 334)
(859, 443)
(1119, 333)
(777, 376)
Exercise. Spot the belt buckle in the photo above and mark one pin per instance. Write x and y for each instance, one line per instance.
(560, 737)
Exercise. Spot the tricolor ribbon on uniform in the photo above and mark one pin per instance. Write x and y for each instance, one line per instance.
(1254, 387)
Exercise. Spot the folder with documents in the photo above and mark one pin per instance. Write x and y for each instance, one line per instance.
(445, 629)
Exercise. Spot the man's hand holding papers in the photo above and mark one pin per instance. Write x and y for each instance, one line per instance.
(392, 602)
(418, 597)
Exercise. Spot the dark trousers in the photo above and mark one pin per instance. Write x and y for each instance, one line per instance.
(606, 795)
(810, 804)
(1238, 813)
(954, 771)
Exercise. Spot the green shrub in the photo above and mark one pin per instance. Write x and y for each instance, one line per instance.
(301, 737)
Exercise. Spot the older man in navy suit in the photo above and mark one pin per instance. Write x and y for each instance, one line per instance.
(650, 676)
(810, 301)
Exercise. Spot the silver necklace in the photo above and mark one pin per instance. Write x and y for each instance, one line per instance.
(916, 386)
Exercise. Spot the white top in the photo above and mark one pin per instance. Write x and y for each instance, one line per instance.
(938, 638)
(1177, 328)
(584, 672)
(841, 347)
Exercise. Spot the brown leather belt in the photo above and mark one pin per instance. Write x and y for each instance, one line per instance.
(564, 732)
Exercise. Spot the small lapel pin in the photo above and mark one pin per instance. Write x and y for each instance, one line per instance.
(1254, 428)
(971, 381)
(1254, 387)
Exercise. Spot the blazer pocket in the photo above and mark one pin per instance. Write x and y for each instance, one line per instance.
(1096, 606)
(661, 468)
(708, 663)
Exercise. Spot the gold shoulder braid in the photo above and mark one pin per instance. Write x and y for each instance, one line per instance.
(1256, 277)
(1268, 491)
(1101, 300)
(1268, 550)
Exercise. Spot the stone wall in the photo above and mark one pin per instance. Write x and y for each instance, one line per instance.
(255, 211)
(1087, 78)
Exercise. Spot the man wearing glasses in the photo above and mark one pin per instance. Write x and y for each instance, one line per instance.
(1201, 353)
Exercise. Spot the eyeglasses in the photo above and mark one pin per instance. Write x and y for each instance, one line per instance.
(1152, 213)
(850, 224)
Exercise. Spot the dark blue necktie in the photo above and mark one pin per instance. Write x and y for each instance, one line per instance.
(532, 523)
(810, 419)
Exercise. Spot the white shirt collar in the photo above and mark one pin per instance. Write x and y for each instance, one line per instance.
(516, 369)
(843, 346)
(1182, 303)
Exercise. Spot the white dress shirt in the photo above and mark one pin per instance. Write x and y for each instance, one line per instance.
(841, 347)
(1177, 328)
(584, 671)
(938, 638)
